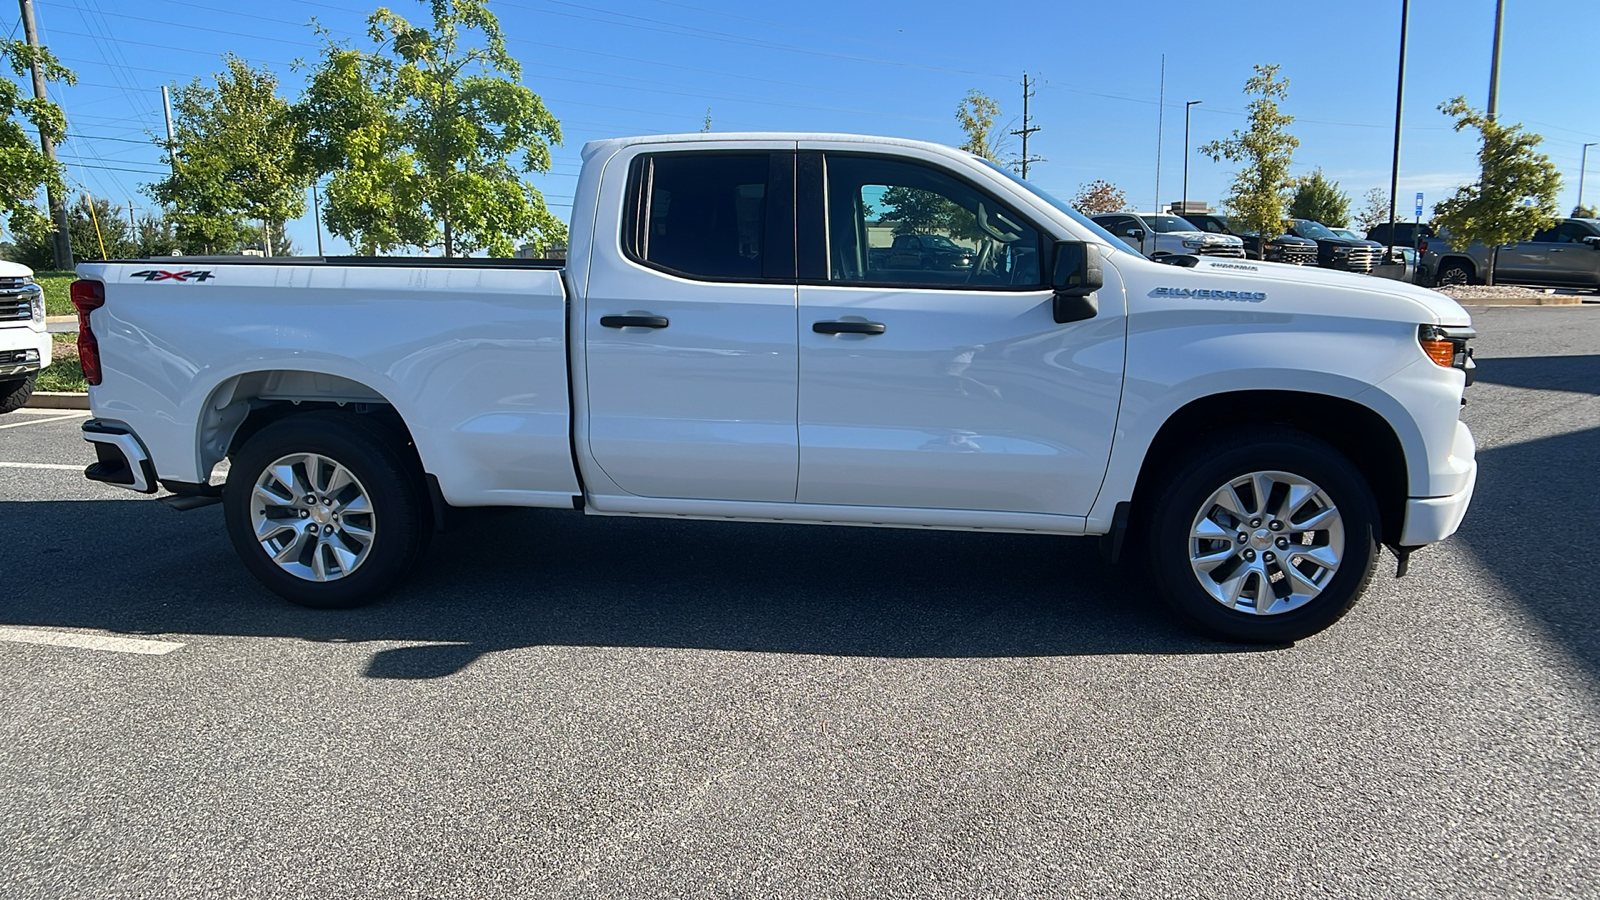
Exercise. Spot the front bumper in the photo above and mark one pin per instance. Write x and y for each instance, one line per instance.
(1432, 519)
(23, 352)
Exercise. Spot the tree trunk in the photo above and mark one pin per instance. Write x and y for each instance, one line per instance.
(266, 238)
(449, 238)
(1494, 257)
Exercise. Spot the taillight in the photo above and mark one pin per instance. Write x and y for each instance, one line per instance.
(1422, 247)
(88, 296)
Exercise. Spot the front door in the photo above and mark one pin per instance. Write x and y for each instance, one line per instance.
(947, 385)
(689, 333)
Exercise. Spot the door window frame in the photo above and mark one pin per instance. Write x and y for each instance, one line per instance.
(815, 236)
(778, 225)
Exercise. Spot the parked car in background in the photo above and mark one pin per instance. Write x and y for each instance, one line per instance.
(1336, 252)
(1158, 234)
(928, 251)
(24, 345)
(1406, 234)
(1285, 248)
(1567, 255)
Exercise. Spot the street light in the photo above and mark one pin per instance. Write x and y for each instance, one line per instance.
(1185, 204)
(1583, 163)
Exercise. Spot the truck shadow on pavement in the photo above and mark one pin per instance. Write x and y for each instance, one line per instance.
(1580, 374)
(519, 578)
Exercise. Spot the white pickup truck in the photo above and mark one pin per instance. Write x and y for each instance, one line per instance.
(24, 345)
(725, 343)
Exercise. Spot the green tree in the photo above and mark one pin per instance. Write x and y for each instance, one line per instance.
(234, 159)
(33, 246)
(976, 114)
(1099, 197)
(155, 236)
(1374, 210)
(426, 137)
(1320, 200)
(1584, 212)
(24, 168)
(1265, 150)
(1515, 194)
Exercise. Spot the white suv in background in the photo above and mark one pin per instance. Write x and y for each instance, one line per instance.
(24, 345)
(1159, 234)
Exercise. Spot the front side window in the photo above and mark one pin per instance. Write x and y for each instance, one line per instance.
(893, 222)
(707, 215)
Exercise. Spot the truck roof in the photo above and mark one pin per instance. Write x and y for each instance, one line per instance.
(614, 144)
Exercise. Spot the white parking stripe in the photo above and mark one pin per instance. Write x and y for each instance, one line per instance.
(87, 641)
(12, 465)
(44, 421)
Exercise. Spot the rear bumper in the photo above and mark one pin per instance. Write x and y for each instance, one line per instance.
(121, 458)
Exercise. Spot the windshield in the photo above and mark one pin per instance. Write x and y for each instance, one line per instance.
(1112, 240)
(1169, 224)
(1315, 230)
(939, 241)
(1345, 233)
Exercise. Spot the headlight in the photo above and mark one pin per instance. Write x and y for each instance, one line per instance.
(1274, 245)
(1341, 251)
(1194, 243)
(37, 306)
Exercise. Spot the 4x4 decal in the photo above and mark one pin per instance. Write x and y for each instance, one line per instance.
(161, 275)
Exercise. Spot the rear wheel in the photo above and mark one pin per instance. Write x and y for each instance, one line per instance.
(1266, 535)
(326, 509)
(1456, 272)
(14, 394)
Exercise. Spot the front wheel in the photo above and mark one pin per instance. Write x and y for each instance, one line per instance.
(1266, 535)
(325, 509)
(14, 394)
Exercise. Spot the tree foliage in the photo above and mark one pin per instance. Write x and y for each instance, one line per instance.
(1099, 197)
(1320, 200)
(234, 159)
(976, 114)
(1584, 212)
(426, 137)
(916, 211)
(1374, 210)
(1265, 150)
(1515, 194)
(24, 168)
(34, 250)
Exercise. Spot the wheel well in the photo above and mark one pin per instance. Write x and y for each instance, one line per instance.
(1359, 433)
(243, 405)
(1465, 261)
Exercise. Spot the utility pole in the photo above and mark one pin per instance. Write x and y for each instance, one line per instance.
(131, 221)
(1583, 165)
(1494, 59)
(172, 146)
(1161, 111)
(316, 215)
(1186, 107)
(61, 241)
(1027, 126)
(1399, 95)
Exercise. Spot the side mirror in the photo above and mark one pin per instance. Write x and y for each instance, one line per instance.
(1075, 276)
(1137, 234)
(1593, 242)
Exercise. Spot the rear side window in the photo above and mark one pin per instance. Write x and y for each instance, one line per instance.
(715, 216)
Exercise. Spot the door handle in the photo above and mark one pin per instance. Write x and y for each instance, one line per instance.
(848, 328)
(633, 321)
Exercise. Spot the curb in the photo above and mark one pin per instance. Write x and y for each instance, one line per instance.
(57, 400)
(1558, 300)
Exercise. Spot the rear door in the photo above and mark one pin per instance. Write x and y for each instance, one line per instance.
(1569, 260)
(689, 331)
(944, 388)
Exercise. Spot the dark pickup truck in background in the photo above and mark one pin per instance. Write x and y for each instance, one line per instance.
(1286, 248)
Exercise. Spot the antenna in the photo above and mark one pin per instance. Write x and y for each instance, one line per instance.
(1027, 126)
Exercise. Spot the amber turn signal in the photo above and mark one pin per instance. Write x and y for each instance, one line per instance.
(1441, 352)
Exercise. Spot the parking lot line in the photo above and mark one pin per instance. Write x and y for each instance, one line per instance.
(58, 466)
(76, 415)
(87, 641)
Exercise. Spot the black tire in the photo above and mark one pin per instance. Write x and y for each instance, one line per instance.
(1456, 271)
(14, 394)
(401, 518)
(1234, 455)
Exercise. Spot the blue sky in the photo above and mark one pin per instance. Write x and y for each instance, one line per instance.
(616, 67)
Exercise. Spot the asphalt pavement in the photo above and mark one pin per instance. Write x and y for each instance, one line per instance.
(568, 706)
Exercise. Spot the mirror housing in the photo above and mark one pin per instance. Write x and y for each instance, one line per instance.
(1075, 275)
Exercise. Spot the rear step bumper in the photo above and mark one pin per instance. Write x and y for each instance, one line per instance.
(121, 459)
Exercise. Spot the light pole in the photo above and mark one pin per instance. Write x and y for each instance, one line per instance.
(1186, 153)
(1583, 164)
